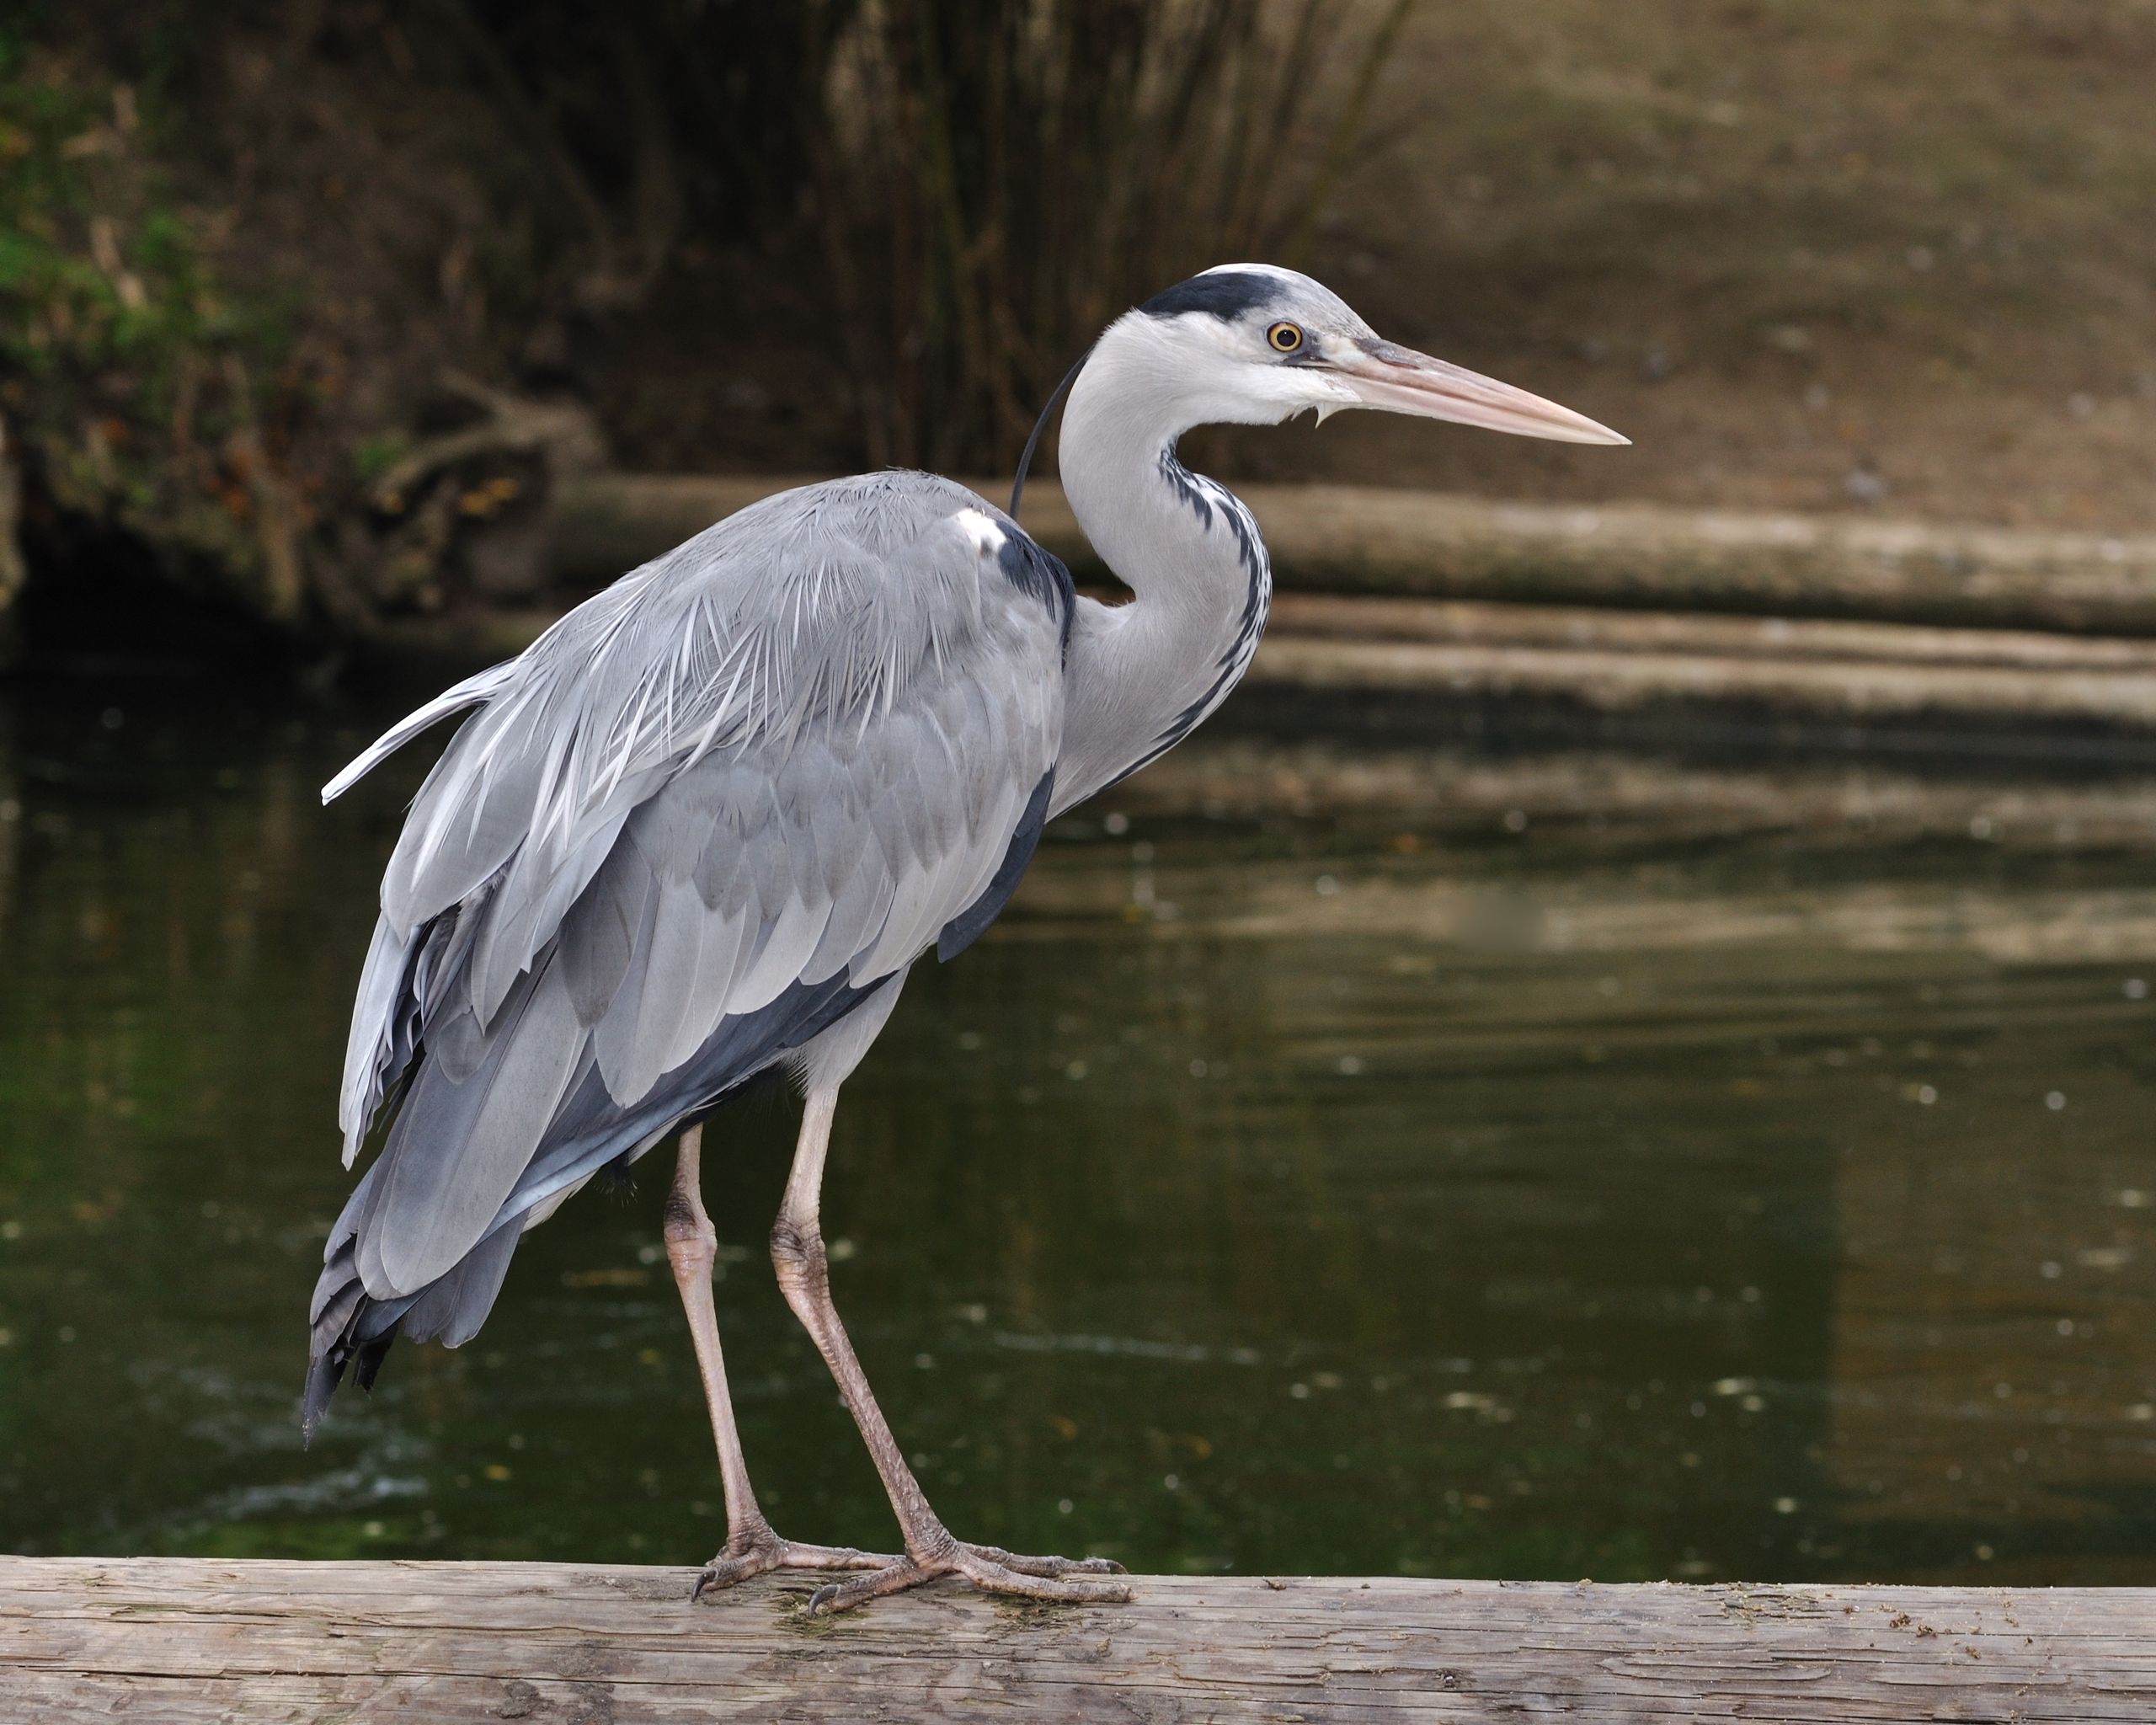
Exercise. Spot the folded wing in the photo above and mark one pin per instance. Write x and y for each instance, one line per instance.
(707, 816)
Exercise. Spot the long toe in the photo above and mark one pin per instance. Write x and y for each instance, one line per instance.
(762, 1553)
(995, 1578)
(795, 1555)
(985, 1573)
(1046, 1566)
(838, 1596)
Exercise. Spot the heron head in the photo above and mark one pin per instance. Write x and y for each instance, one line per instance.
(1252, 344)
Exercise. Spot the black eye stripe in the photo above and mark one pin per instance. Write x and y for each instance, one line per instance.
(1227, 294)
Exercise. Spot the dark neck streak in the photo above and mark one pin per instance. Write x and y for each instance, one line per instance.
(1213, 504)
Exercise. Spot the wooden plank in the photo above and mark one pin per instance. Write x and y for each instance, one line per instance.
(179, 1640)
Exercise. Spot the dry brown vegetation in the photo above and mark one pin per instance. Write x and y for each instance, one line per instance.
(295, 296)
(1815, 254)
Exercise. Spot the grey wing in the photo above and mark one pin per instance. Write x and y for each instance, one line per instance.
(710, 813)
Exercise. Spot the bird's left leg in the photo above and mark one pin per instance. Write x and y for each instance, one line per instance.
(804, 1278)
(751, 1546)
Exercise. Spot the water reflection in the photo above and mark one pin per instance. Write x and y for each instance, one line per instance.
(1396, 1186)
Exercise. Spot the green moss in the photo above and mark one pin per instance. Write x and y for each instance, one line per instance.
(377, 456)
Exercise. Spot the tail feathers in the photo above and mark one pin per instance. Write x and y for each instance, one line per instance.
(452, 1309)
(325, 1367)
(354, 1329)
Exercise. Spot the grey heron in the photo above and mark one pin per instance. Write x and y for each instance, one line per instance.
(703, 826)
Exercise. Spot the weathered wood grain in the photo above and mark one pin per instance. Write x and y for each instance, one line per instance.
(178, 1640)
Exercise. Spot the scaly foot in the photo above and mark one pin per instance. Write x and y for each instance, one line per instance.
(756, 1549)
(988, 1568)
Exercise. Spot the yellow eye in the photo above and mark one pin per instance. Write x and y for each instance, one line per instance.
(1285, 338)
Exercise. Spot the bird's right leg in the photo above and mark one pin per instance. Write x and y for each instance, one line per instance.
(751, 1546)
(804, 1268)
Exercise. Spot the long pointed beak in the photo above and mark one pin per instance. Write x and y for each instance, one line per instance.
(1401, 380)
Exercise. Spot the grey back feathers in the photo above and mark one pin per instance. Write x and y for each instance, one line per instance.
(707, 814)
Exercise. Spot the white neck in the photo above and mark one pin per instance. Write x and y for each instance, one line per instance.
(1141, 675)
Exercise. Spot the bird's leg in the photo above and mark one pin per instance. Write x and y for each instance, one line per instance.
(804, 1277)
(751, 1546)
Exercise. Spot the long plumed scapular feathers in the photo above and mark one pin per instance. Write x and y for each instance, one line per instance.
(470, 692)
(704, 818)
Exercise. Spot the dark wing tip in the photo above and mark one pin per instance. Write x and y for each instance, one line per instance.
(324, 1371)
(368, 1356)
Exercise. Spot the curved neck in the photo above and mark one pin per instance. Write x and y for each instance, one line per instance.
(1141, 676)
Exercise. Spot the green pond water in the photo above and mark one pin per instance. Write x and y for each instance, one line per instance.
(1519, 1181)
